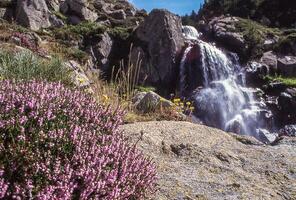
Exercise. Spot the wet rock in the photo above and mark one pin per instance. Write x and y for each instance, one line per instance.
(162, 40)
(33, 14)
(275, 88)
(287, 65)
(287, 103)
(256, 71)
(270, 59)
(288, 130)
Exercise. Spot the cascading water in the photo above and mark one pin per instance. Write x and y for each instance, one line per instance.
(223, 101)
(190, 33)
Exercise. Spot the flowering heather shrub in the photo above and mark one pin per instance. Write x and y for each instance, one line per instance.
(56, 143)
(29, 43)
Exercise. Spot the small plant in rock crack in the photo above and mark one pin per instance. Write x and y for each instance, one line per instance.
(58, 143)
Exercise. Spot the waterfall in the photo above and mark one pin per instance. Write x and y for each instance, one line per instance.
(224, 101)
(190, 33)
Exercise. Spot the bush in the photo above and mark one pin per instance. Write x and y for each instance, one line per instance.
(76, 32)
(56, 143)
(25, 65)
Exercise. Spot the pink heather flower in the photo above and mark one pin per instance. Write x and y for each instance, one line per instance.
(62, 145)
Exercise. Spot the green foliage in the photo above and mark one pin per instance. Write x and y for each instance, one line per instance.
(76, 54)
(26, 66)
(279, 13)
(190, 20)
(288, 81)
(145, 88)
(255, 35)
(287, 42)
(120, 32)
(60, 15)
(75, 32)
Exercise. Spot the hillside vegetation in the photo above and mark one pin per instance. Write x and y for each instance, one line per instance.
(273, 12)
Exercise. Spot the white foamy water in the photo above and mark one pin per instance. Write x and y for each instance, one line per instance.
(224, 102)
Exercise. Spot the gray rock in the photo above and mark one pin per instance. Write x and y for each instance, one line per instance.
(2, 12)
(73, 19)
(53, 4)
(287, 103)
(200, 162)
(270, 60)
(148, 73)
(288, 130)
(118, 14)
(161, 33)
(33, 14)
(146, 102)
(100, 51)
(223, 29)
(130, 12)
(287, 65)
(55, 21)
(79, 78)
(81, 9)
(6, 3)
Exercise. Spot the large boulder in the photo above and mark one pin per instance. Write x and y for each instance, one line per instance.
(199, 162)
(81, 8)
(288, 130)
(270, 59)
(287, 65)
(146, 102)
(6, 3)
(33, 14)
(118, 14)
(54, 4)
(224, 30)
(100, 51)
(160, 36)
(287, 103)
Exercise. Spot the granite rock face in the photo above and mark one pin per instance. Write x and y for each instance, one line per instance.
(198, 162)
(33, 14)
(161, 37)
(224, 30)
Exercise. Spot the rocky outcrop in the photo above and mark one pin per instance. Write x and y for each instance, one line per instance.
(100, 50)
(146, 102)
(270, 60)
(33, 14)
(288, 130)
(54, 4)
(287, 65)
(223, 29)
(80, 8)
(160, 36)
(287, 103)
(198, 162)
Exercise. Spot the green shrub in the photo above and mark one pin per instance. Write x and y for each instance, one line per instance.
(255, 35)
(120, 32)
(26, 66)
(75, 32)
(288, 81)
